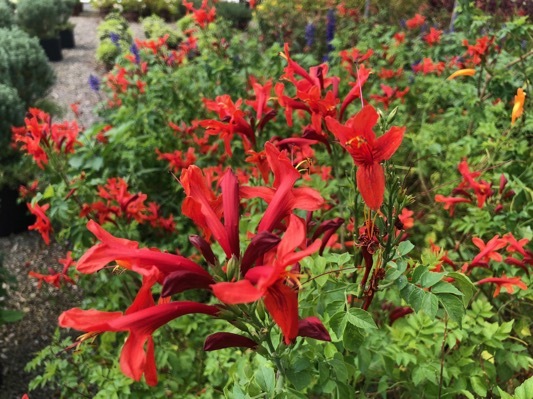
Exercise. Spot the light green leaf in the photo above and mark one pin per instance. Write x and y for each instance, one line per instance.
(525, 391)
(443, 287)
(478, 385)
(465, 286)
(429, 279)
(265, 378)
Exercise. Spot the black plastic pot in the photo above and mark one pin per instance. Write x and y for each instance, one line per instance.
(14, 217)
(78, 9)
(67, 38)
(52, 48)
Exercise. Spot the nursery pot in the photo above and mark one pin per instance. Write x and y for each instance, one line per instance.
(52, 48)
(14, 217)
(67, 38)
(103, 11)
(131, 16)
(78, 9)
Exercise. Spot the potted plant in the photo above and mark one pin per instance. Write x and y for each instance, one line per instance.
(104, 7)
(41, 18)
(132, 9)
(66, 28)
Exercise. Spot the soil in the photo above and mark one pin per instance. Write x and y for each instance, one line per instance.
(21, 341)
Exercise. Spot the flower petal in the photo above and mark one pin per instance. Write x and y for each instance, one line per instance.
(371, 184)
(222, 340)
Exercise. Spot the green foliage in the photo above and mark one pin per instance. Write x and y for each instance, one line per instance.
(12, 111)
(24, 66)
(108, 51)
(6, 315)
(238, 14)
(155, 27)
(7, 16)
(40, 18)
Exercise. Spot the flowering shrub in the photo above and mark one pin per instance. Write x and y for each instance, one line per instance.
(304, 203)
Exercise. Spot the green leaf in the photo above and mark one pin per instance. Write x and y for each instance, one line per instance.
(478, 385)
(454, 307)
(525, 390)
(353, 338)
(429, 279)
(443, 287)
(265, 378)
(464, 284)
(420, 300)
(361, 318)
(300, 380)
(418, 273)
(48, 192)
(10, 316)
(504, 395)
(404, 248)
(338, 323)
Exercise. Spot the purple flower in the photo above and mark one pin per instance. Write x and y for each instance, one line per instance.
(94, 83)
(330, 31)
(115, 37)
(310, 34)
(135, 51)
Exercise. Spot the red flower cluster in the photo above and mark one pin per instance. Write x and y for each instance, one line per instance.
(416, 22)
(55, 278)
(42, 224)
(472, 184)
(268, 269)
(118, 202)
(478, 52)
(433, 37)
(203, 15)
(39, 136)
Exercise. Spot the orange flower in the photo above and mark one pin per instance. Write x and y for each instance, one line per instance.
(518, 107)
(462, 72)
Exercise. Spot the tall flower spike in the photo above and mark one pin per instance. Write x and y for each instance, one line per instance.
(367, 151)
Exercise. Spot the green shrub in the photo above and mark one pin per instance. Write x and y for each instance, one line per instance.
(114, 35)
(238, 14)
(39, 18)
(7, 18)
(155, 27)
(66, 8)
(11, 113)
(24, 66)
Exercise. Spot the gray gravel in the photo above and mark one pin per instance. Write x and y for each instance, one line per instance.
(19, 342)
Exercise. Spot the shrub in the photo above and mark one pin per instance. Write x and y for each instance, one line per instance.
(115, 36)
(155, 27)
(238, 14)
(23, 65)
(39, 18)
(65, 7)
(11, 112)
(7, 17)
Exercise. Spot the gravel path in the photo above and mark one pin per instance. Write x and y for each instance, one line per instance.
(19, 342)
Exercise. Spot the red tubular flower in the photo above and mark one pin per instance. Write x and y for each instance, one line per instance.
(488, 250)
(42, 224)
(450, 202)
(222, 340)
(312, 327)
(128, 255)
(262, 93)
(270, 281)
(203, 207)
(283, 198)
(135, 360)
(508, 283)
(367, 151)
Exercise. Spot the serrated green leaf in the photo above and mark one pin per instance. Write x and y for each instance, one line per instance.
(525, 391)
(338, 324)
(429, 279)
(265, 378)
(504, 395)
(353, 338)
(443, 287)
(478, 385)
(300, 380)
(464, 284)
(418, 273)
(454, 307)
(361, 318)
